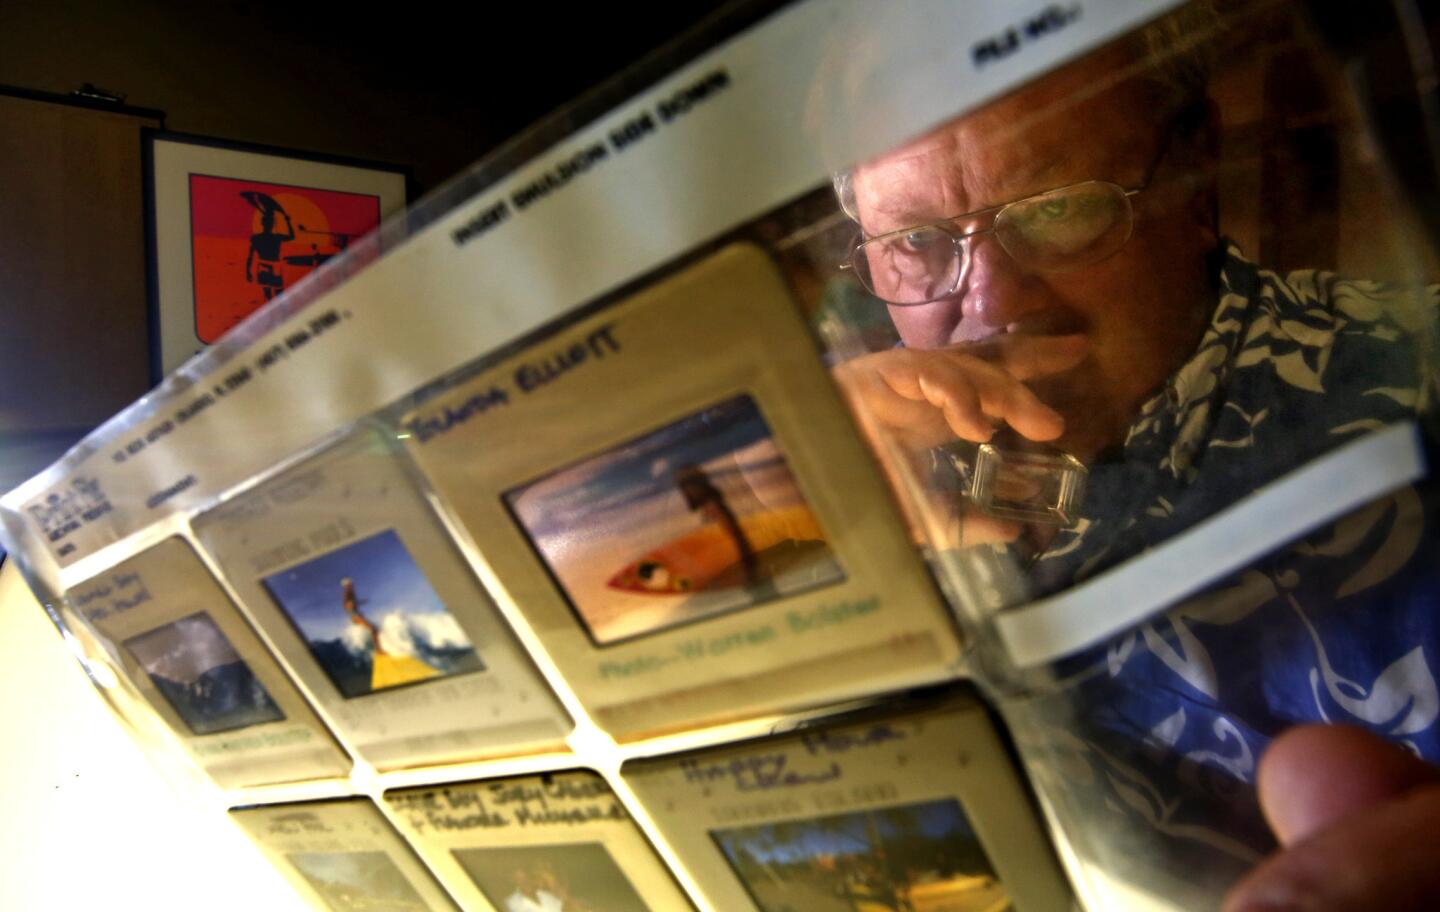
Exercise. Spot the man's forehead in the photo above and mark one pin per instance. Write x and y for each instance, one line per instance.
(975, 137)
(1084, 116)
(971, 162)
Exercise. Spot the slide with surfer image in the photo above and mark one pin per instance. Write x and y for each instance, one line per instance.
(698, 518)
(371, 619)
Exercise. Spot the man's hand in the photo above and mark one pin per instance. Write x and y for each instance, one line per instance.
(930, 397)
(1358, 819)
(910, 400)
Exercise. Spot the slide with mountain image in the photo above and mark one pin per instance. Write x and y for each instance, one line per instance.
(371, 619)
(199, 673)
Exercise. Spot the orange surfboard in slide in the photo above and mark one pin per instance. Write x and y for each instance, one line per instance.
(692, 561)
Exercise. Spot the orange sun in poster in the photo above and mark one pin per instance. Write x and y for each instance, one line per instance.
(252, 240)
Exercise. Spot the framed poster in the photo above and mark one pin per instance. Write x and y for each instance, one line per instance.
(232, 226)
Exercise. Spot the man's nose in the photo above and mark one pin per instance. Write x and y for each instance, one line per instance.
(996, 291)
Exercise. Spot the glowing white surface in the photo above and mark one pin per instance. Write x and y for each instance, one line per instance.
(88, 823)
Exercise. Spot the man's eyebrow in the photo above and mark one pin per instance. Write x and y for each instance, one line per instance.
(898, 207)
(1043, 171)
(1028, 177)
(897, 203)
(1032, 175)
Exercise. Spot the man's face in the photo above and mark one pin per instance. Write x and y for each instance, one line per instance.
(1141, 311)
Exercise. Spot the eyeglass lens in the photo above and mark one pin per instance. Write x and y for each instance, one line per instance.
(1067, 228)
(1059, 230)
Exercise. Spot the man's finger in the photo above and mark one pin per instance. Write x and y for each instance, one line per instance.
(1004, 398)
(971, 394)
(1029, 357)
(976, 396)
(1380, 858)
(1351, 811)
(1313, 776)
(951, 389)
(1020, 408)
(878, 402)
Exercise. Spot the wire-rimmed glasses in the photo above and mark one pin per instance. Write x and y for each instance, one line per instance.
(1058, 230)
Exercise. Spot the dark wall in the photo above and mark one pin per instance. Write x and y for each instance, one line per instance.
(424, 85)
(427, 87)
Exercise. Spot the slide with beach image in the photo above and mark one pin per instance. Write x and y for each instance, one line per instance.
(701, 517)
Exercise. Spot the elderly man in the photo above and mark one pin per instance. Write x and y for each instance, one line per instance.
(1054, 270)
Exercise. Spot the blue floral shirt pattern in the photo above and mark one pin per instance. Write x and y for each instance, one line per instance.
(1168, 722)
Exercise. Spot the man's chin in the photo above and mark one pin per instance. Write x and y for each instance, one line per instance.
(1092, 427)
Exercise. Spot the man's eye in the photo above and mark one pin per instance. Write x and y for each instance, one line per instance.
(1053, 208)
(919, 241)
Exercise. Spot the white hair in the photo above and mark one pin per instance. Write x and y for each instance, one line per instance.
(1175, 53)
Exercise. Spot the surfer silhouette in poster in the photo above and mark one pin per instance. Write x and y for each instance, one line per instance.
(265, 245)
(387, 670)
(251, 241)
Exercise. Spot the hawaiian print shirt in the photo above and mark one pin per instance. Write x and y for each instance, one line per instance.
(1168, 722)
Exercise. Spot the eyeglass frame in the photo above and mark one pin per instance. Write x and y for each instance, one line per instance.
(995, 212)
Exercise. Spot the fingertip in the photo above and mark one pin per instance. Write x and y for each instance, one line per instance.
(974, 431)
(1313, 775)
(1041, 427)
(1382, 858)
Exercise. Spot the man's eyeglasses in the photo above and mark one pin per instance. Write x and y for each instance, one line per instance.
(1056, 231)
(1059, 230)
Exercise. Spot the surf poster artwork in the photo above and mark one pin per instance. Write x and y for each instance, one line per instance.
(371, 619)
(251, 240)
(698, 518)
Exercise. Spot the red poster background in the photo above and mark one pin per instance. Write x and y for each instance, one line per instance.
(224, 226)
